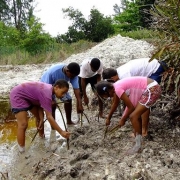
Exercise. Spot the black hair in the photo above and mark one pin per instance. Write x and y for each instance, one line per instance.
(95, 63)
(74, 68)
(108, 73)
(103, 87)
(61, 83)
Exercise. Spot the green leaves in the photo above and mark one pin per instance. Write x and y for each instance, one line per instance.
(96, 28)
(167, 22)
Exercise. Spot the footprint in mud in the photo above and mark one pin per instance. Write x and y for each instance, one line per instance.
(79, 131)
(79, 157)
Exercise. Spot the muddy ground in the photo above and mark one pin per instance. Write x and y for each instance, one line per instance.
(91, 156)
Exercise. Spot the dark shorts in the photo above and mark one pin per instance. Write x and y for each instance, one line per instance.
(158, 74)
(17, 110)
(92, 81)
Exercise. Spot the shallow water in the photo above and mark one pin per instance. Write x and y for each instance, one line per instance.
(8, 141)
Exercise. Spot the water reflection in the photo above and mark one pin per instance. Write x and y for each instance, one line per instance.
(8, 141)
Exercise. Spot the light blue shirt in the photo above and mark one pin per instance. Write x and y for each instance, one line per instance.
(55, 72)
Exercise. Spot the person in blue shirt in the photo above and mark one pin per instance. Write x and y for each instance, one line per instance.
(70, 74)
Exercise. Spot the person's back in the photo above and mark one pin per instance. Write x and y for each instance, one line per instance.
(54, 73)
(69, 73)
(36, 93)
(138, 67)
(87, 65)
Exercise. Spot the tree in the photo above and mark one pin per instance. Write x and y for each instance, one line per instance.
(129, 19)
(4, 10)
(9, 35)
(78, 20)
(96, 28)
(19, 12)
(36, 40)
(144, 10)
(118, 9)
(135, 14)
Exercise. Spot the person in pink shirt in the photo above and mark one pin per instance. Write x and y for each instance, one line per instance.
(36, 97)
(151, 91)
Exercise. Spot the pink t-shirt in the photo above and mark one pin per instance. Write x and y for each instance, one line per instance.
(130, 83)
(32, 93)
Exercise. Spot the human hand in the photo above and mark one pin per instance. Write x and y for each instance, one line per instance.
(40, 125)
(108, 122)
(86, 100)
(121, 123)
(80, 108)
(101, 115)
(65, 134)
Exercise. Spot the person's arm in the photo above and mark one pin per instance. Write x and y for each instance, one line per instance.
(55, 126)
(79, 101)
(113, 108)
(98, 77)
(130, 109)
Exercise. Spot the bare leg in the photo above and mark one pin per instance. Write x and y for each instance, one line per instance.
(100, 108)
(39, 115)
(53, 113)
(137, 126)
(68, 111)
(145, 122)
(22, 121)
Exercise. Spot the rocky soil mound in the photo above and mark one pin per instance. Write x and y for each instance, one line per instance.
(91, 154)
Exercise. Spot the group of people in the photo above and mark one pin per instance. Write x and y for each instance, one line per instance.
(136, 83)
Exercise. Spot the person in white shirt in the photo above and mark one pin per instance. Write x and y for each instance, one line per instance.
(90, 73)
(137, 67)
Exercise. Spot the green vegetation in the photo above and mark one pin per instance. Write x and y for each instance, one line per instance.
(95, 29)
(23, 39)
(167, 24)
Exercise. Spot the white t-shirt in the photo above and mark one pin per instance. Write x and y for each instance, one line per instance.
(85, 69)
(138, 67)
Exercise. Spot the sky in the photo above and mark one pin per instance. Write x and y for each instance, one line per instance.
(51, 15)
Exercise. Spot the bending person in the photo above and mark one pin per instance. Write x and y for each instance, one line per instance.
(151, 92)
(70, 74)
(90, 73)
(36, 97)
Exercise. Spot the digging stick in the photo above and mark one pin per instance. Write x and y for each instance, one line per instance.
(115, 128)
(64, 126)
(86, 117)
(37, 132)
(81, 119)
(105, 132)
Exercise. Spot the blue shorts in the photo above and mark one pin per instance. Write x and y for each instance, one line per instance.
(158, 74)
(66, 97)
(17, 110)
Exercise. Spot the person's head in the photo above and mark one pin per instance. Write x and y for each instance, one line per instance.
(110, 73)
(60, 88)
(95, 64)
(105, 89)
(72, 70)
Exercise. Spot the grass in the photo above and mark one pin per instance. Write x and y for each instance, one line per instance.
(59, 52)
(142, 34)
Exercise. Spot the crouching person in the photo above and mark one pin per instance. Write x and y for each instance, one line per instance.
(36, 97)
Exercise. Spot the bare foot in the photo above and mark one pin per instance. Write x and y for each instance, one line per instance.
(133, 150)
(42, 135)
(71, 123)
(102, 116)
(132, 135)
